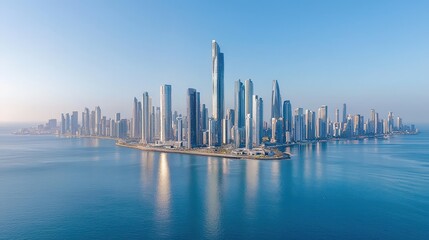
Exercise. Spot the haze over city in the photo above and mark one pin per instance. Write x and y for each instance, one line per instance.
(64, 56)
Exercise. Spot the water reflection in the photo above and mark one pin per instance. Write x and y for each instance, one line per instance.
(213, 194)
(252, 178)
(146, 169)
(163, 192)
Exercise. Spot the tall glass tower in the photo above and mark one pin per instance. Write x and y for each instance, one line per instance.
(218, 89)
(193, 102)
(146, 118)
(166, 118)
(276, 101)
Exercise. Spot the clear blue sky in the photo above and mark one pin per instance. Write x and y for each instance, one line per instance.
(60, 56)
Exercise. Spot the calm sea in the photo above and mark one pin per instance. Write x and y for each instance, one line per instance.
(62, 188)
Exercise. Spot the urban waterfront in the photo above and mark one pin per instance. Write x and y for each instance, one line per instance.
(55, 187)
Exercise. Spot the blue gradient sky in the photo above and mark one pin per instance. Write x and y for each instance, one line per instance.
(60, 56)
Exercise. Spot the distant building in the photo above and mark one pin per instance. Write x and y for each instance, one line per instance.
(166, 118)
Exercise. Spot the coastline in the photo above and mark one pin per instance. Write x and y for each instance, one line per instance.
(201, 153)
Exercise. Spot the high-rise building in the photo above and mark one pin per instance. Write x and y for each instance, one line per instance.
(97, 125)
(218, 89)
(157, 122)
(356, 125)
(86, 123)
(193, 117)
(166, 118)
(276, 100)
(204, 118)
(322, 123)
(136, 121)
(63, 124)
(239, 104)
(68, 122)
(344, 113)
(277, 132)
(123, 129)
(230, 119)
(376, 124)
(287, 116)
(249, 138)
(146, 136)
(299, 126)
(179, 128)
(309, 124)
(399, 125)
(74, 124)
(337, 115)
(92, 123)
(248, 94)
(258, 119)
(225, 131)
(390, 122)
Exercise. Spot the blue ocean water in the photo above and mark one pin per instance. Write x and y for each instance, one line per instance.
(64, 188)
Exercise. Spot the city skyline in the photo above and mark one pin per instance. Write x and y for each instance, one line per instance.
(243, 127)
(313, 67)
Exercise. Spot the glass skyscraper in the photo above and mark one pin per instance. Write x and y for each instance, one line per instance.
(218, 88)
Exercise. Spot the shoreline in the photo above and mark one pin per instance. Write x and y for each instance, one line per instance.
(200, 153)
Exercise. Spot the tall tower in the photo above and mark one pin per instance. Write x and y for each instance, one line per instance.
(218, 89)
(299, 133)
(344, 113)
(136, 120)
(179, 128)
(239, 113)
(322, 122)
(249, 128)
(193, 109)
(248, 93)
(146, 118)
(86, 123)
(257, 120)
(239, 104)
(74, 122)
(287, 116)
(276, 100)
(165, 102)
(97, 121)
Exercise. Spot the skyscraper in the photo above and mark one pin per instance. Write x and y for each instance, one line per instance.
(204, 118)
(97, 125)
(337, 115)
(322, 122)
(257, 120)
(63, 124)
(179, 128)
(146, 136)
(287, 116)
(248, 94)
(86, 123)
(67, 122)
(165, 102)
(249, 128)
(239, 104)
(218, 88)
(299, 132)
(193, 117)
(276, 100)
(239, 113)
(136, 121)
(344, 113)
(74, 125)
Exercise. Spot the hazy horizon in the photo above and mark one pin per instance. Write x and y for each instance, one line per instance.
(59, 57)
